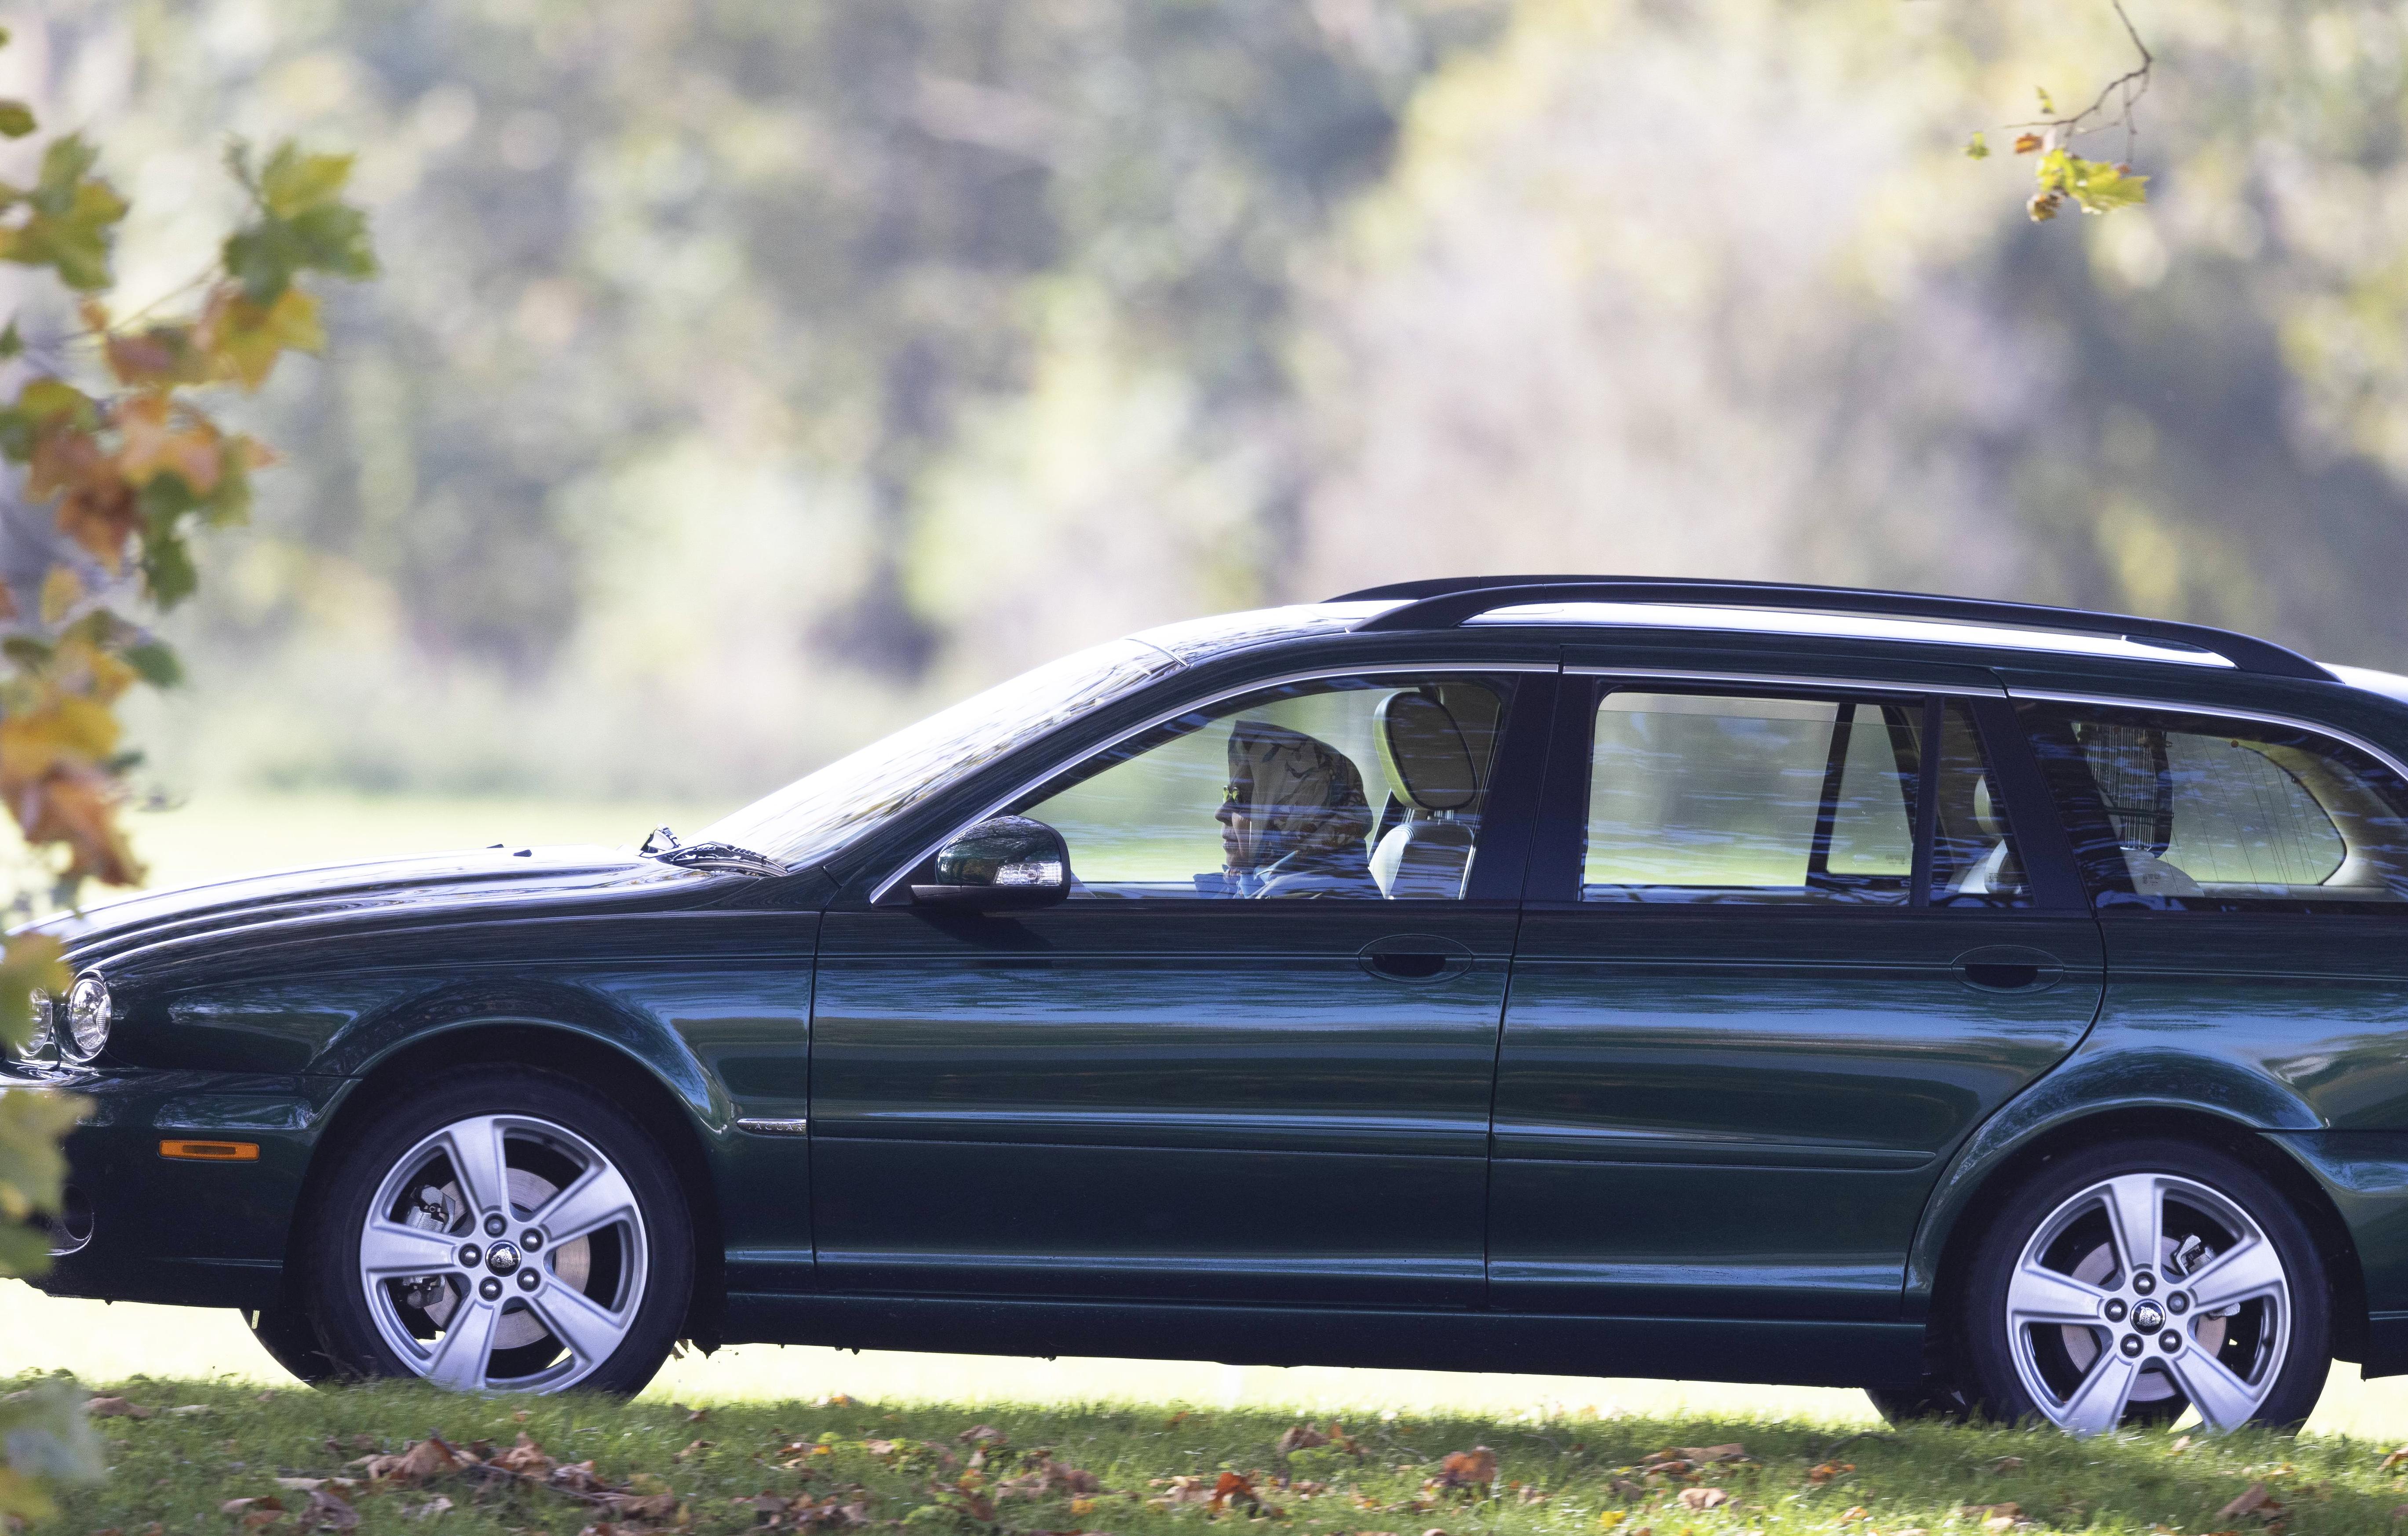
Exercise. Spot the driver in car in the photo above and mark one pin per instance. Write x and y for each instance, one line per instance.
(1293, 818)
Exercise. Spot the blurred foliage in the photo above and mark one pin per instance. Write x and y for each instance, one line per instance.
(753, 374)
(118, 462)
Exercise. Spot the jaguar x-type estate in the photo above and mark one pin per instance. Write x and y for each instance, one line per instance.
(2000, 1009)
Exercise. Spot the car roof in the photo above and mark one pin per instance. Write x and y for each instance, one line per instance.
(1602, 605)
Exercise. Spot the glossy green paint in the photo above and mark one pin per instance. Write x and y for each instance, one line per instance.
(1735, 1150)
(1735, 1113)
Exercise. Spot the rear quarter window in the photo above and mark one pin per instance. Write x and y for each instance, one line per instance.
(2180, 811)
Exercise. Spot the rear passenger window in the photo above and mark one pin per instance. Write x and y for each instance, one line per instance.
(1714, 797)
(2187, 813)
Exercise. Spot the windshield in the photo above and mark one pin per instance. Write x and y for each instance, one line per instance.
(812, 817)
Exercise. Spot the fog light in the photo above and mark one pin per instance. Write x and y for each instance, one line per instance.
(42, 1034)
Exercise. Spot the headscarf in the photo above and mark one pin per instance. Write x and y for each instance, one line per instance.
(1306, 816)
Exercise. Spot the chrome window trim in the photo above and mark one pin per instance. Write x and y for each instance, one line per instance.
(2261, 717)
(1278, 680)
(1784, 679)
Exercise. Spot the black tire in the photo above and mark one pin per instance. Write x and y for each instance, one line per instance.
(1931, 1401)
(290, 1340)
(2277, 1345)
(641, 1269)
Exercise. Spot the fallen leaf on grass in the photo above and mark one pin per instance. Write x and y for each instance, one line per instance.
(982, 1434)
(1694, 1456)
(117, 1408)
(694, 1449)
(1704, 1498)
(1232, 1489)
(329, 1511)
(2253, 1500)
(1827, 1470)
(256, 1502)
(1474, 1467)
(2015, 1463)
(427, 1510)
(1853, 1513)
(525, 1458)
(420, 1460)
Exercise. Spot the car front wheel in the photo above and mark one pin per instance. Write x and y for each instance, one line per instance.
(2127, 1282)
(504, 1230)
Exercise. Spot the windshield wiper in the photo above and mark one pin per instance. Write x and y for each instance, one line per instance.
(708, 855)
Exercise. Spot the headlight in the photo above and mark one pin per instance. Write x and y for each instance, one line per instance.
(45, 1028)
(87, 1018)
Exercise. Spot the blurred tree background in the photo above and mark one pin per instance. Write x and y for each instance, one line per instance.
(751, 375)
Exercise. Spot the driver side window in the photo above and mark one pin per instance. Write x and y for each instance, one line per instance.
(1347, 788)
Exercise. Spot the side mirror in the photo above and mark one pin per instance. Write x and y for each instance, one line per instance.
(1004, 864)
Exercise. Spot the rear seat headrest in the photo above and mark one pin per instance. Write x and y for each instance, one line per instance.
(1424, 753)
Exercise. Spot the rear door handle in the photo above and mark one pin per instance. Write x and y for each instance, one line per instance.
(1415, 957)
(2009, 968)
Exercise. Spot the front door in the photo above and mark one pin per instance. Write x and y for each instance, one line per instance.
(1786, 948)
(1250, 1059)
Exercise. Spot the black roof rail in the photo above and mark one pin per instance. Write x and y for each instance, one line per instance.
(1448, 601)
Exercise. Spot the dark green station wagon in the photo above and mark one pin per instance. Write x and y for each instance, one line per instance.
(2001, 1008)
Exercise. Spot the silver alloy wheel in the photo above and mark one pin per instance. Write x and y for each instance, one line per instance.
(504, 1253)
(2144, 1289)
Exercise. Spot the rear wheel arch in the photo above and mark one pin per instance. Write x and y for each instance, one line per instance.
(582, 1058)
(2260, 1153)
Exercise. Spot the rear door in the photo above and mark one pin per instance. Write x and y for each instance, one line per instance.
(1784, 945)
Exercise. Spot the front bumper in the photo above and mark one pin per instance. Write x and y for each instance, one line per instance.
(185, 1233)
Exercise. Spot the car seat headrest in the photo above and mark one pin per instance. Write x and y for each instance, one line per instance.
(1424, 753)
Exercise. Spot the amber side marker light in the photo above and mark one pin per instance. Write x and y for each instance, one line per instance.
(210, 1152)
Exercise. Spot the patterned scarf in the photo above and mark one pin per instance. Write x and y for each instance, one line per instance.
(1305, 816)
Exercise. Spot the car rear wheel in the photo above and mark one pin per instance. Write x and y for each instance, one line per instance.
(504, 1230)
(2127, 1282)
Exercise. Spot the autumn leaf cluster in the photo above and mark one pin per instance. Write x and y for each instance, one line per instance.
(118, 463)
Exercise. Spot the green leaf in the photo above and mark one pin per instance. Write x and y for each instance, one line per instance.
(16, 119)
(11, 342)
(292, 183)
(263, 258)
(74, 220)
(168, 570)
(64, 166)
(1978, 146)
(2101, 188)
(334, 238)
(156, 664)
(2047, 108)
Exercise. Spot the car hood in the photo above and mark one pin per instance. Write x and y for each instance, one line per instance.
(448, 886)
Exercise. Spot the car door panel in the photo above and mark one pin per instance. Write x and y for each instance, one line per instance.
(1702, 1114)
(1241, 1099)
(1125, 1098)
(1736, 1109)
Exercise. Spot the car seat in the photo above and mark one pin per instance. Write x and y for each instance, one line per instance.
(1422, 745)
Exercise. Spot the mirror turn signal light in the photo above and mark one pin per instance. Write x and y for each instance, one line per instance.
(210, 1152)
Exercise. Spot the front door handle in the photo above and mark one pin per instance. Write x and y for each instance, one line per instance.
(2009, 968)
(1415, 957)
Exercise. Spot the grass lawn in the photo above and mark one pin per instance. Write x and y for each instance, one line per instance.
(1154, 1470)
